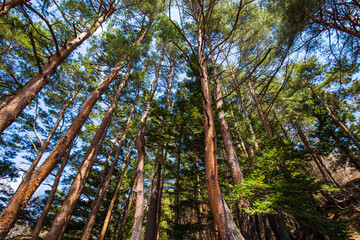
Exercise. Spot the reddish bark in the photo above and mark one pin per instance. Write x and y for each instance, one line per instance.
(50, 199)
(29, 185)
(7, 5)
(26, 94)
(79, 181)
(222, 214)
(26, 189)
(233, 160)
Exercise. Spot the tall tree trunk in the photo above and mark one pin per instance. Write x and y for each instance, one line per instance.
(103, 175)
(23, 97)
(98, 198)
(118, 186)
(241, 145)
(154, 198)
(127, 211)
(260, 110)
(222, 214)
(50, 199)
(32, 182)
(267, 228)
(26, 189)
(79, 181)
(247, 225)
(136, 232)
(5, 6)
(150, 230)
(336, 119)
(139, 206)
(233, 160)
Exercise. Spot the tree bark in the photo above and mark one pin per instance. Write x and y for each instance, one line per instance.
(222, 214)
(154, 198)
(267, 228)
(336, 119)
(98, 198)
(233, 160)
(7, 5)
(78, 184)
(50, 199)
(136, 232)
(113, 200)
(124, 219)
(26, 94)
(150, 230)
(246, 221)
(30, 184)
(26, 189)
(139, 206)
(51, 134)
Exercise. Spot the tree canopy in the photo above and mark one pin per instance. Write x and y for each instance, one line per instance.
(179, 119)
